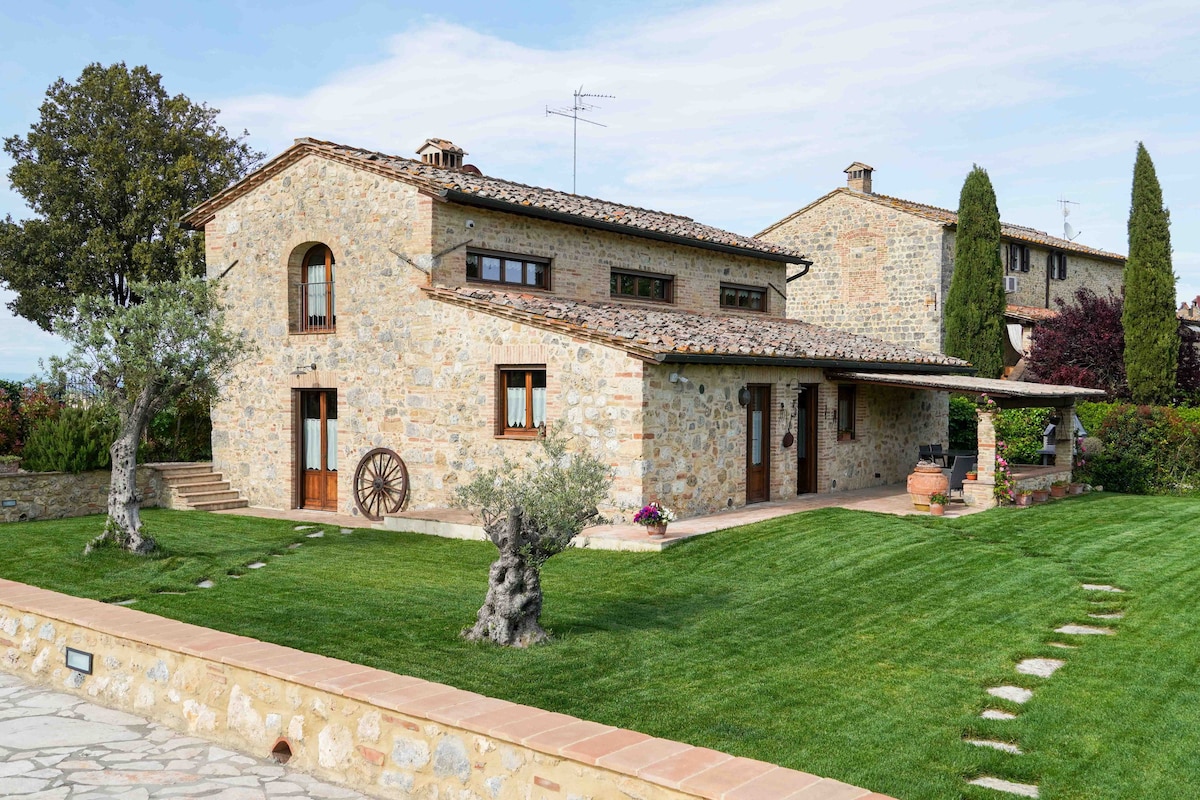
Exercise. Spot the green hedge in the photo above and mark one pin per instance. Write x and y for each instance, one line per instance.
(1147, 449)
(1021, 429)
(76, 440)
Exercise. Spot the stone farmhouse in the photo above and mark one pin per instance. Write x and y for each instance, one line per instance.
(882, 266)
(418, 311)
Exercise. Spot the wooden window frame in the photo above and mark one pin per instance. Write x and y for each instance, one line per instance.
(1056, 264)
(846, 428)
(525, 261)
(304, 312)
(738, 287)
(1018, 257)
(502, 429)
(667, 280)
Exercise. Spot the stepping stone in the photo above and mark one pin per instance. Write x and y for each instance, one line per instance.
(294, 545)
(316, 535)
(1014, 693)
(1001, 785)
(1102, 587)
(124, 602)
(256, 565)
(206, 584)
(1064, 646)
(346, 531)
(1041, 667)
(303, 528)
(1115, 615)
(235, 577)
(1005, 746)
(1084, 630)
(171, 593)
(995, 713)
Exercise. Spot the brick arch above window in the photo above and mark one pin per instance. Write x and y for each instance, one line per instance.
(312, 288)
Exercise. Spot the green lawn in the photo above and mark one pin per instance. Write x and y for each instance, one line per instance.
(848, 644)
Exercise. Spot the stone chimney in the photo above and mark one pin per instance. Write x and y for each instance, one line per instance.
(1190, 311)
(858, 177)
(441, 153)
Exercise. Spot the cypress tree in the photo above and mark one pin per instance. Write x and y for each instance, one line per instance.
(975, 303)
(1151, 328)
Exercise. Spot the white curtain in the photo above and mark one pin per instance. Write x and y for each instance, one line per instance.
(312, 444)
(316, 290)
(539, 406)
(516, 406)
(1014, 338)
(331, 451)
(756, 438)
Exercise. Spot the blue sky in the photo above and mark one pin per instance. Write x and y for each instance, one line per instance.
(735, 113)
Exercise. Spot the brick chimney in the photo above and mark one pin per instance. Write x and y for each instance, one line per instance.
(441, 153)
(858, 177)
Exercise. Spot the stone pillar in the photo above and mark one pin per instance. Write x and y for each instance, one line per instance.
(981, 492)
(1064, 438)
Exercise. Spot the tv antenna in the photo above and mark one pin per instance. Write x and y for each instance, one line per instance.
(584, 105)
(1069, 233)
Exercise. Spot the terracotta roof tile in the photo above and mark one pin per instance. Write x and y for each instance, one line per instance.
(1030, 313)
(447, 182)
(656, 334)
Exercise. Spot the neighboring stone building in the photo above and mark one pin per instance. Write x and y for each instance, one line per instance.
(448, 316)
(882, 266)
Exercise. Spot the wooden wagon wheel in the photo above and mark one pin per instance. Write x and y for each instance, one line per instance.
(380, 484)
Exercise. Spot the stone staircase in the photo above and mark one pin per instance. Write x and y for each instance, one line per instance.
(195, 486)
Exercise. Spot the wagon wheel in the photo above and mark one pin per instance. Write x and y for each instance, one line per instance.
(380, 483)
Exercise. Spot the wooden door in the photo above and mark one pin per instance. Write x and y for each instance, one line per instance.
(806, 440)
(758, 447)
(318, 450)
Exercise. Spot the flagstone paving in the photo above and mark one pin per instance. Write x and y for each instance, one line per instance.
(55, 746)
(1000, 785)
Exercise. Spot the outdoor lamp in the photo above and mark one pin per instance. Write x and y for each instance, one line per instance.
(743, 397)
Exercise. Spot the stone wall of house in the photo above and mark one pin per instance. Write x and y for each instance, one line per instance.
(390, 735)
(582, 258)
(26, 496)
(412, 374)
(876, 271)
(1099, 275)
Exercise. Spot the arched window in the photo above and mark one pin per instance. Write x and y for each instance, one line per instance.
(317, 313)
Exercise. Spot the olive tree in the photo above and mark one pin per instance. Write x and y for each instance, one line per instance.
(531, 512)
(142, 357)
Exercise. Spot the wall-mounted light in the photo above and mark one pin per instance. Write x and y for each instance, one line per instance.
(743, 397)
(79, 661)
(304, 369)
(675, 377)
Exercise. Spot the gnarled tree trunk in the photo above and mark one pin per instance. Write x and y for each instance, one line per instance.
(124, 524)
(510, 612)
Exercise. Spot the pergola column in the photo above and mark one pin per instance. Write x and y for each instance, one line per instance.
(1064, 437)
(982, 490)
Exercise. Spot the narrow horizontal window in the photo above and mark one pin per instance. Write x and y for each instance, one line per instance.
(745, 298)
(641, 286)
(510, 270)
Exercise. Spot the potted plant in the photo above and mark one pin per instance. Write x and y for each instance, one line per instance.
(9, 464)
(1059, 489)
(972, 475)
(1023, 497)
(937, 504)
(1075, 488)
(655, 518)
(1041, 495)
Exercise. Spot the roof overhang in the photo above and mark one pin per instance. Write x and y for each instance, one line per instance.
(819, 363)
(1007, 394)
(469, 199)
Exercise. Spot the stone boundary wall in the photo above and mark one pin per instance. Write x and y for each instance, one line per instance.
(56, 495)
(391, 735)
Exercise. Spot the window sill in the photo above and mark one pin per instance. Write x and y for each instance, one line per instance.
(507, 287)
(845, 437)
(321, 332)
(521, 436)
(650, 301)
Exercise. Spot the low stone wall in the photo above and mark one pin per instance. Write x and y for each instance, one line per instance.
(28, 496)
(391, 735)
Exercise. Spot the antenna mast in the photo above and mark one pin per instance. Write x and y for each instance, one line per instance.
(1069, 233)
(582, 104)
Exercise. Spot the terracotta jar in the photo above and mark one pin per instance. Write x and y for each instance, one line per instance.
(926, 479)
(1058, 490)
(657, 530)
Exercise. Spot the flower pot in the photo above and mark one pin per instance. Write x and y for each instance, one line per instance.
(971, 476)
(1076, 488)
(657, 530)
(1040, 495)
(937, 509)
(1023, 500)
(1058, 491)
(925, 480)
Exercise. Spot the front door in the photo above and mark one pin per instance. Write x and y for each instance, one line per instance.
(758, 438)
(806, 440)
(318, 450)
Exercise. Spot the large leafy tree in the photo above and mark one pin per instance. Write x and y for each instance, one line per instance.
(1151, 324)
(143, 357)
(109, 167)
(975, 302)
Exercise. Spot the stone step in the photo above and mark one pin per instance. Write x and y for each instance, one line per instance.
(195, 500)
(193, 489)
(219, 505)
(184, 469)
(198, 477)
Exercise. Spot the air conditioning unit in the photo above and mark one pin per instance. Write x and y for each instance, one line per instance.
(1010, 283)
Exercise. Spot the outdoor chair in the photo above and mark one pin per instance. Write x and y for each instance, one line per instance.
(958, 473)
(937, 454)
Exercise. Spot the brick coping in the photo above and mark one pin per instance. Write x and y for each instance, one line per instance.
(695, 770)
